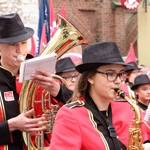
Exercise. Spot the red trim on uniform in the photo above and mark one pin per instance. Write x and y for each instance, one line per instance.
(18, 85)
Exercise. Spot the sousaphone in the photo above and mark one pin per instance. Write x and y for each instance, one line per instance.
(33, 96)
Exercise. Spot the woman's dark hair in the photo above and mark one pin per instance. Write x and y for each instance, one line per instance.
(82, 85)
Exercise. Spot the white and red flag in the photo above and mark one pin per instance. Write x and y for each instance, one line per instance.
(43, 40)
(53, 25)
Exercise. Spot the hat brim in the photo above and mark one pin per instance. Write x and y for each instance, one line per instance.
(136, 85)
(18, 38)
(128, 70)
(67, 70)
(89, 66)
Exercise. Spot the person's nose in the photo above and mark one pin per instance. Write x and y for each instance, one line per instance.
(118, 80)
(148, 91)
(19, 48)
(74, 79)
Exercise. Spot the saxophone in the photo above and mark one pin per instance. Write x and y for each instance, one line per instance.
(135, 135)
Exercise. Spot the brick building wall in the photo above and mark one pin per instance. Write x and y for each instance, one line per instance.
(95, 19)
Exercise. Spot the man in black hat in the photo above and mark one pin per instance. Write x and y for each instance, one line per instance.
(13, 50)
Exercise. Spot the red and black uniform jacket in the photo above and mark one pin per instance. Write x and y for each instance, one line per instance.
(80, 128)
(9, 108)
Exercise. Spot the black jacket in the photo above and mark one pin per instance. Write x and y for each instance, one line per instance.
(10, 106)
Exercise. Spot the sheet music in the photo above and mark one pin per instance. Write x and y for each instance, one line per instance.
(29, 66)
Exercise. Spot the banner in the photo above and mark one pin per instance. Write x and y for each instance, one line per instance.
(130, 4)
(53, 25)
(32, 46)
(43, 20)
(131, 55)
(63, 10)
(43, 40)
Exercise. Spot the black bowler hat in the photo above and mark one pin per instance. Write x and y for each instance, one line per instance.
(12, 29)
(131, 66)
(99, 54)
(140, 80)
(64, 65)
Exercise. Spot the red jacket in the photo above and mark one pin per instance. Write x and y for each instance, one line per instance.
(75, 128)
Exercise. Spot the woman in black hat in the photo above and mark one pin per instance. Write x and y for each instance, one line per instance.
(93, 121)
(13, 50)
(141, 87)
(66, 69)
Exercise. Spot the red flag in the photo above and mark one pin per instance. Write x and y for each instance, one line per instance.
(32, 47)
(43, 41)
(63, 10)
(131, 56)
(53, 26)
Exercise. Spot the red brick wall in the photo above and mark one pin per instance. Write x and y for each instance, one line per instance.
(98, 22)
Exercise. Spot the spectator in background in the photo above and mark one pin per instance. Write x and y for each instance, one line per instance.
(141, 88)
(145, 70)
(132, 70)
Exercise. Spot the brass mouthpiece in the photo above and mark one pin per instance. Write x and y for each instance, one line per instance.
(20, 58)
(120, 93)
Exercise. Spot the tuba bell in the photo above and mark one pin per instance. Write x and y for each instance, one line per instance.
(33, 96)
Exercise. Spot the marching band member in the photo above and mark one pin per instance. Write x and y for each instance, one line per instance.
(66, 69)
(141, 88)
(93, 120)
(132, 70)
(13, 50)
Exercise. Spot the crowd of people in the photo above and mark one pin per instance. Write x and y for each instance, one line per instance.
(90, 118)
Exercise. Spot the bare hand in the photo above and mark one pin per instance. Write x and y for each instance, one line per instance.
(46, 81)
(24, 123)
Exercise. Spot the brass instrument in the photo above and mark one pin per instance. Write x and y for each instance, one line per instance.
(135, 135)
(65, 38)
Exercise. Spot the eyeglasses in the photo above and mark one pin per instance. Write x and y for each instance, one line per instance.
(70, 78)
(136, 72)
(113, 76)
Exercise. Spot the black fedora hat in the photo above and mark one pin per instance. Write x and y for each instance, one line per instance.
(98, 54)
(12, 29)
(140, 80)
(131, 66)
(64, 65)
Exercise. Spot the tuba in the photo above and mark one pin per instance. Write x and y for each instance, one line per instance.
(135, 135)
(65, 38)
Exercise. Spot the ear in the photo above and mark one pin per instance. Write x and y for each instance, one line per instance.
(29, 45)
(136, 91)
(90, 80)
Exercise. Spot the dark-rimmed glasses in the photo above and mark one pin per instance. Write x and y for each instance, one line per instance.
(70, 78)
(113, 76)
